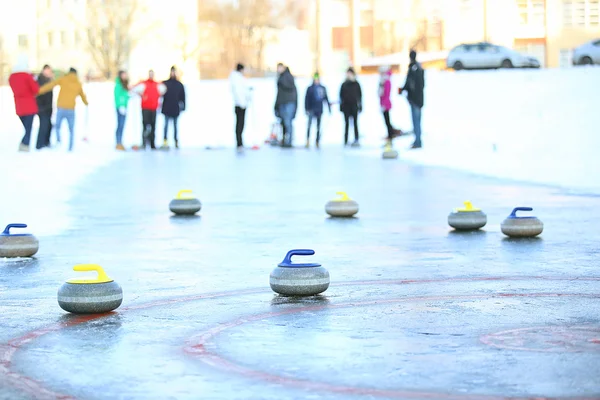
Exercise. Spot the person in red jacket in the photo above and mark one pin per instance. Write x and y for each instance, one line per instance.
(25, 90)
(151, 91)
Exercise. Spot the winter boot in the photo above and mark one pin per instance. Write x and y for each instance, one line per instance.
(355, 144)
(307, 144)
(23, 147)
(176, 144)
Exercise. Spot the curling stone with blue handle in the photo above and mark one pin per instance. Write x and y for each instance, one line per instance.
(389, 152)
(299, 279)
(341, 207)
(514, 226)
(467, 218)
(17, 244)
(90, 296)
(185, 205)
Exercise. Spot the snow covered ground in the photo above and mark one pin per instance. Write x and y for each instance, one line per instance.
(531, 125)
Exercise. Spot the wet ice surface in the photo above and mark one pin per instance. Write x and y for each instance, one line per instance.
(255, 208)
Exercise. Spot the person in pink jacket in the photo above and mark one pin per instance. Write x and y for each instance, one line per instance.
(385, 91)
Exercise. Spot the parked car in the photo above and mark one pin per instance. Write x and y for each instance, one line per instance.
(587, 54)
(486, 55)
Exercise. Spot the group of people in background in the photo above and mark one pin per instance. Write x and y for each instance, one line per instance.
(350, 101)
(34, 96)
(172, 104)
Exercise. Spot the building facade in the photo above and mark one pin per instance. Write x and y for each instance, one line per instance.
(353, 30)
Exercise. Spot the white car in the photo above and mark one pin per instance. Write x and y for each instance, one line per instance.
(587, 54)
(486, 55)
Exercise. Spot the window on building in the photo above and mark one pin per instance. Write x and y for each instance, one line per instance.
(63, 38)
(523, 7)
(50, 37)
(593, 12)
(581, 13)
(23, 41)
(538, 12)
(565, 58)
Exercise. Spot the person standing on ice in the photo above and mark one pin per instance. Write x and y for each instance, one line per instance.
(351, 104)
(121, 100)
(24, 89)
(286, 103)
(414, 88)
(44, 103)
(150, 90)
(316, 96)
(173, 104)
(70, 89)
(241, 98)
(385, 91)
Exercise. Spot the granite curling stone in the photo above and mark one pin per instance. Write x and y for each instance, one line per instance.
(299, 279)
(341, 207)
(90, 296)
(467, 218)
(514, 226)
(185, 205)
(17, 244)
(389, 152)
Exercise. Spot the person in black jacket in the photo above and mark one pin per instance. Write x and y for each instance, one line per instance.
(414, 87)
(44, 102)
(173, 104)
(351, 104)
(286, 102)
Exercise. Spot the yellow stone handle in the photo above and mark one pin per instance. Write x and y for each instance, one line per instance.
(101, 278)
(468, 207)
(180, 195)
(343, 196)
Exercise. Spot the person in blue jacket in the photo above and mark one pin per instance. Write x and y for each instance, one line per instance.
(316, 95)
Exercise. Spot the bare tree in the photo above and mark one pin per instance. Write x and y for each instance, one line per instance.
(112, 32)
(243, 28)
(185, 44)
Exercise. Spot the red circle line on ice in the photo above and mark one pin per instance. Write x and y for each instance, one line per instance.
(38, 390)
(200, 345)
(547, 339)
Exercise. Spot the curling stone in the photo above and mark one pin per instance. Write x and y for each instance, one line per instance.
(17, 244)
(389, 152)
(514, 226)
(90, 296)
(185, 205)
(467, 219)
(342, 207)
(299, 279)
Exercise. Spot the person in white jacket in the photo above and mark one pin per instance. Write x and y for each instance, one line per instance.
(241, 97)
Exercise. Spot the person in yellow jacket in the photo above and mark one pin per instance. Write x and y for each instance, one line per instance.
(70, 89)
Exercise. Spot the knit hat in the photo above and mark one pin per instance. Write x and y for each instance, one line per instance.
(316, 75)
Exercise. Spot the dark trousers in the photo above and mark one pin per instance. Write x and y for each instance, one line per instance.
(27, 121)
(167, 120)
(354, 116)
(149, 128)
(388, 124)
(43, 139)
(310, 119)
(240, 120)
(120, 126)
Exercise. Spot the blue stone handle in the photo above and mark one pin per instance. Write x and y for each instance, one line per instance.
(7, 229)
(513, 214)
(296, 252)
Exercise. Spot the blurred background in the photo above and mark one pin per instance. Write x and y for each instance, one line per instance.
(205, 38)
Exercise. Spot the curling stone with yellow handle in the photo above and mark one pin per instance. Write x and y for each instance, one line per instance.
(389, 152)
(467, 218)
(17, 244)
(185, 205)
(341, 207)
(291, 279)
(90, 296)
(519, 227)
